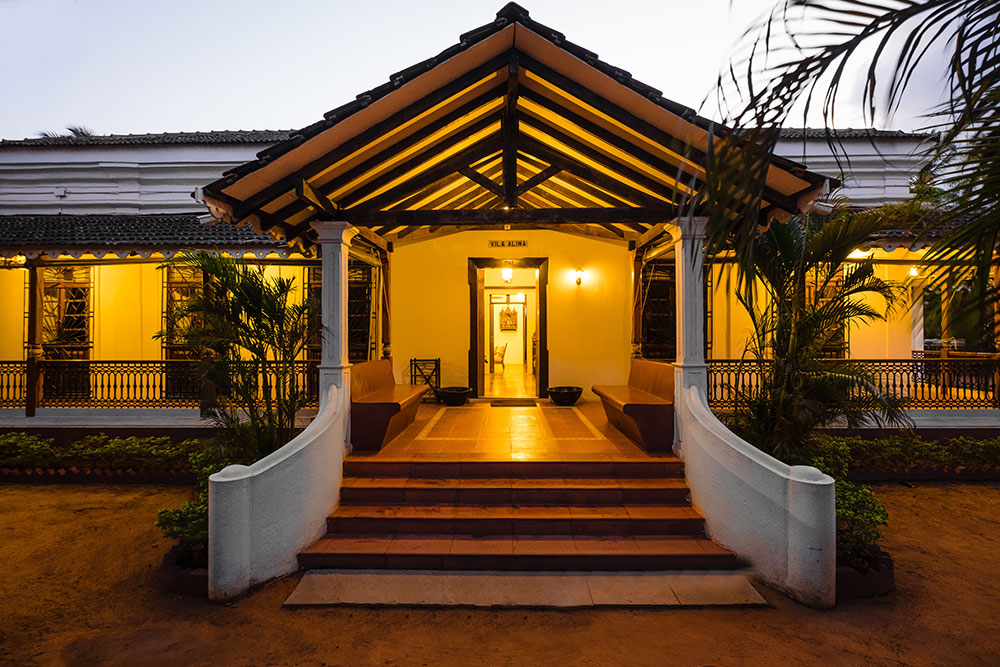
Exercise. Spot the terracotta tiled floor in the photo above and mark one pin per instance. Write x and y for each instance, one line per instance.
(514, 381)
(479, 432)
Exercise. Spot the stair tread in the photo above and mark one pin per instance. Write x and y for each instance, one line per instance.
(362, 458)
(516, 483)
(645, 545)
(678, 511)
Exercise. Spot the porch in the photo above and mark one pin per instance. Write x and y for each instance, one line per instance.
(479, 431)
(146, 390)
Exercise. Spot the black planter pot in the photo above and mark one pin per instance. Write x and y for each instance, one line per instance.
(454, 395)
(879, 580)
(564, 395)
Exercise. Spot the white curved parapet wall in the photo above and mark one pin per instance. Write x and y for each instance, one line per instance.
(780, 518)
(260, 516)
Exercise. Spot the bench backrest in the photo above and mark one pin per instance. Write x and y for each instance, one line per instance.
(654, 377)
(370, 376)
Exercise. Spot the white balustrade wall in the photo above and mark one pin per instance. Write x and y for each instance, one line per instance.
(781, 518)
(260, 516)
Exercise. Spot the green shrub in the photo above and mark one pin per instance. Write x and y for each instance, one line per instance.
(189, 526)
(24, 450)
(859, 512)
(903, 451)
(859, 515)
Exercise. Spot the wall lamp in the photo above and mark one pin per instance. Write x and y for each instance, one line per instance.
(579, 276)
(507, 273)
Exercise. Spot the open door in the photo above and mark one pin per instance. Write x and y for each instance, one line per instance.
(529, 352)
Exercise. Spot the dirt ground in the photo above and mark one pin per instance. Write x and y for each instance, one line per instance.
(78, 586)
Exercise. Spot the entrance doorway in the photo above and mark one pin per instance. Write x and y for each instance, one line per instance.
(508, 342)
(511, 357)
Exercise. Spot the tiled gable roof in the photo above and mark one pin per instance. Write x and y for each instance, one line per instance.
(273, 136)
(116, 232)
(157, 139)
(849, 133)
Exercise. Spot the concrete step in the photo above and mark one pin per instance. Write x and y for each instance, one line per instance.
(516, 520)
(362, 466)
(527, 491)
(524, 589)
(527, 553)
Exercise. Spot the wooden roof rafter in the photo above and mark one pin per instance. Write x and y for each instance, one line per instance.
(512, 121)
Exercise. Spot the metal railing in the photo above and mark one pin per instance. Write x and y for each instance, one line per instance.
(153, 384)
(13, 383)
(923, 383)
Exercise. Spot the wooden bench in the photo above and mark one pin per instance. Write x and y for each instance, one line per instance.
(643, 409)
(380, 408)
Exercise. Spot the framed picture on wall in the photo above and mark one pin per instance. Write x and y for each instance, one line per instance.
(508, 319)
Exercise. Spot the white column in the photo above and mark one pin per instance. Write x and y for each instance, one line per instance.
(689, 253)
(334, 238)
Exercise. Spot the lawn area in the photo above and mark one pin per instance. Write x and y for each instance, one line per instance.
(80, 587)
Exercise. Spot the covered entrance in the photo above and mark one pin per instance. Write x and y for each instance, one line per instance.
(514, 149)
(508, 305)
(513, 134)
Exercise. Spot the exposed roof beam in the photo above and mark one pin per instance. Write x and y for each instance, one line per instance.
(671, 169)
(655, 232)
(607, 163)
(477, 177)
(540, 177)
(394, 149)
(510, 130)
(415, 161)
(614, 230)
(449, 217)
(605, 182)
(319, 201)
(373, 133)
(373, 239)
(613, 110)
(433, 175)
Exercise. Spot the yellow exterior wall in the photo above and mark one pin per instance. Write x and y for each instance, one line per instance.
(128, 302)
(12, 309)
(731, 324)
(589, 325)
(895, 337)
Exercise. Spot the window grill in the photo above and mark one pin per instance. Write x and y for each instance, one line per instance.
(362, 310)
(67, 315)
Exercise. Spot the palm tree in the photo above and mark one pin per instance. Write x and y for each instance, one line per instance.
(809, 296)
(801, 52)
(73, 130)
(253, 329)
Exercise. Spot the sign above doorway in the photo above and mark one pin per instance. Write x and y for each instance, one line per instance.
(504, 243)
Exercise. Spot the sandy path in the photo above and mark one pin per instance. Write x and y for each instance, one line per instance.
(78, 586)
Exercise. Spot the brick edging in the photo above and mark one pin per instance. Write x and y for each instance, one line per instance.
(75, 475)
(925, 473)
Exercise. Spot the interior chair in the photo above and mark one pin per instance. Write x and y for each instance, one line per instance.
(498, 354)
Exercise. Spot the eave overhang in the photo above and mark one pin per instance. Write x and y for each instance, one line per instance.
(511, 126)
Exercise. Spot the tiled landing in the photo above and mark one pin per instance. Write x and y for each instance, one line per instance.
(480, 432)
(523, 589)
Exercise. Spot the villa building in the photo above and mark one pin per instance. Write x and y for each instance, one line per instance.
(86, 224)
(505, 216)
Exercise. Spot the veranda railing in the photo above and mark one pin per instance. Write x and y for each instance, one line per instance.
(59, 383)
(925, 381)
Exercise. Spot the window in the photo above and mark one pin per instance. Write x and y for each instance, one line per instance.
(181, 284)
(659, 310)
(362, 310)
(838, 345)
(66, 312)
